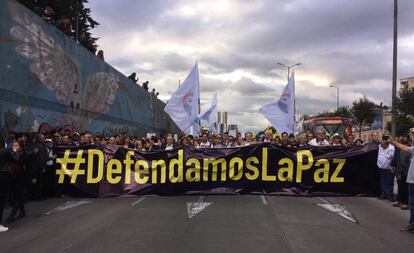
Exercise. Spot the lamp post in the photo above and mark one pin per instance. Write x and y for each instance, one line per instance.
(394, 72)
(337, 95)
(289, 67)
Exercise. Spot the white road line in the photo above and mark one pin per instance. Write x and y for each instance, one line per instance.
(68, 205)
(138, 201)
(264, 200)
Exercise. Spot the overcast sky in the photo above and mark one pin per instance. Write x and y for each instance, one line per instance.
(237, 44)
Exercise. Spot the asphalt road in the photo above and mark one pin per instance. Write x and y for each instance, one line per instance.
(223, 224)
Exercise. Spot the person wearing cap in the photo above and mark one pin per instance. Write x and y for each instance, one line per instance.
(336, 140)
(410, 179)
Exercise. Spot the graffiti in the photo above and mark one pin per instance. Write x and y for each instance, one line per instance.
(49, 80)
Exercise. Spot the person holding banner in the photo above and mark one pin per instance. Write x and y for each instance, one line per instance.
(386, 153)
(204, 141)
(248, 139)
(170, 143)
(410, 179)
(319, 140)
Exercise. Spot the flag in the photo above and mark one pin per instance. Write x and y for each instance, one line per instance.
(210, 115)
(280, 112)
(299, 124)
(183, 104)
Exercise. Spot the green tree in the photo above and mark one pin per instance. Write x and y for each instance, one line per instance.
(73, 10)
(342, 111)
(405, 102)
(403, 123)
(363, 112)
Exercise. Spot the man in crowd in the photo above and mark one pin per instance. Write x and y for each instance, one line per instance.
(410, 179)
(284, 140)
(303, 142)
(267, 137)
(248, 139)
(374, 138)
(170, 143)
(225, 141)
(385, 156)
(402, 162)
(204, 141)
(319, 140)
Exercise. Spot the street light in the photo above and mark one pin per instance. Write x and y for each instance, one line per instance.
(337, 95)
(289, 67)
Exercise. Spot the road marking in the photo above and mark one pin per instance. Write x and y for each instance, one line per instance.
(194, 208)
(337, 209)
(264, 200)
(138, 201)
(68, 205)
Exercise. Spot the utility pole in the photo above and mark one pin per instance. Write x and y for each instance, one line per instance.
(394, 72)
(289, 67)
(337, 95)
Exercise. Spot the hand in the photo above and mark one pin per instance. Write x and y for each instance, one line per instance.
(34, 180)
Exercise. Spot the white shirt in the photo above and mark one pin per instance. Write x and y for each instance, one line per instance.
(206, 144)
(410, 175)
(50, 156)
(385, 156)
(314, 142)
(169, 147)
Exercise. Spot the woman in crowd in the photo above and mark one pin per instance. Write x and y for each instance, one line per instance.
(20, 171)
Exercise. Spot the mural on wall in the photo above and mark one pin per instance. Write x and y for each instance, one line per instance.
(47, 80)
(58, 71)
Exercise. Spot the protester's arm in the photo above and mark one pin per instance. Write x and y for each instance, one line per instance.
(400, 146)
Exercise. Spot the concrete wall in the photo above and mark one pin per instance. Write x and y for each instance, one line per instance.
(48, 80)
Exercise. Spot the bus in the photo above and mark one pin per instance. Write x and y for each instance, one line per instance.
(330, 125)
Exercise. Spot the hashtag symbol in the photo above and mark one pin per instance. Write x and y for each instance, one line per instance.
(65, 161)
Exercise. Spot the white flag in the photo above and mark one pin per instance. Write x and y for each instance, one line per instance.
(183, 104)
(211, 115)
(280, 112)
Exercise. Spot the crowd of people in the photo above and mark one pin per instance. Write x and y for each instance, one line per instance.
(27, 161)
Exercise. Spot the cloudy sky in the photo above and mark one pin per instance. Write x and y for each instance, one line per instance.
(237, 44)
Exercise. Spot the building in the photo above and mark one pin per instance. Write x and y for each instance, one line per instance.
(407, 83)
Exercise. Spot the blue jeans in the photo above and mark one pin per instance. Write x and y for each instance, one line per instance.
(387, 183)
(411, 203)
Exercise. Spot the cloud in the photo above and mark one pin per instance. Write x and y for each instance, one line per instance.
(238, 45)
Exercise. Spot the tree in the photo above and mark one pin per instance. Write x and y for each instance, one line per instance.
(403, 123)
(363, 112)
(75, 12)
(342, 111)
(405, 102)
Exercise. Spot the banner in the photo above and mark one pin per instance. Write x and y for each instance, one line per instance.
(102, 171)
